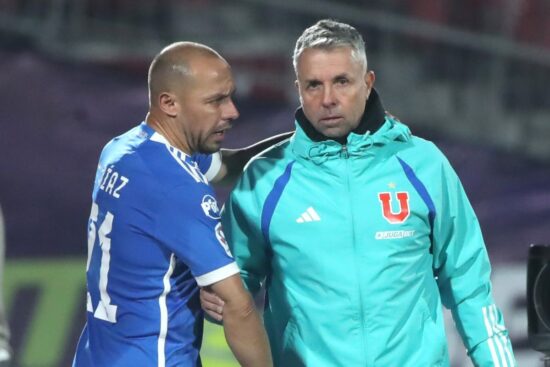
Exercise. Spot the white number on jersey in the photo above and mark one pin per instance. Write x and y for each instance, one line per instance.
(105, 310)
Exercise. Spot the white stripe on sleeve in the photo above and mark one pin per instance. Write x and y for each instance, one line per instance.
(499, 329)
(217, 275)
(496, 337)
(490, 340)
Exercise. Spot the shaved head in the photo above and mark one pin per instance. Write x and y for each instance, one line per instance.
(190, 97)
(173, 67)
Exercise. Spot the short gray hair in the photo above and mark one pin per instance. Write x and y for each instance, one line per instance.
(328, 34)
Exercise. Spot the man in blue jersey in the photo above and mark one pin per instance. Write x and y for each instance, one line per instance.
(154, 233)
(358, 230)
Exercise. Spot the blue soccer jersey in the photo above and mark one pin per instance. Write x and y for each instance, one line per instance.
(153, 235)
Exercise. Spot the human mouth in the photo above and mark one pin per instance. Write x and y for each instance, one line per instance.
(220, 133)
(329, 120)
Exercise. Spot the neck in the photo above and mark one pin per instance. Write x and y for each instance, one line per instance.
(166, 127)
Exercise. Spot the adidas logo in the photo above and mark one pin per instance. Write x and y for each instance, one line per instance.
(310, 215)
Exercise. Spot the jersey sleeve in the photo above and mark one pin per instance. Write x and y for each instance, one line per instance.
(462, 268)
(188, 224)
(241, 221)
(209, 164)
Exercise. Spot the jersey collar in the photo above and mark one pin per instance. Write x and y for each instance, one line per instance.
(159, 138)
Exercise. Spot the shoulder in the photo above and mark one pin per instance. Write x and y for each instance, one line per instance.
(270, 156)
(151, 165)
(262, 171)
(268, 164)
(119, 158)
(424, 160)
(425, 145)
(416, 154)
(421, 151)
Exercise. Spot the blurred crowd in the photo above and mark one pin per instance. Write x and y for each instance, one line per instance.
(522, 20)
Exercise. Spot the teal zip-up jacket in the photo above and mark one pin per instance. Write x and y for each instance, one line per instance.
(358, 245)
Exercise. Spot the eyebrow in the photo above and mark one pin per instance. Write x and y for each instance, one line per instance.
(311, 81)
(336, 77)
(342, 75)
(216, 96)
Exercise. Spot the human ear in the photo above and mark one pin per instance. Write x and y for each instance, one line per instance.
(168, 104)
(369, 79)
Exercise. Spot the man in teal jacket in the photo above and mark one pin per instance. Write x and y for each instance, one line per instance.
(358, 230)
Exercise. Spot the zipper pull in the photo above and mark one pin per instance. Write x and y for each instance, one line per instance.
(345, 152)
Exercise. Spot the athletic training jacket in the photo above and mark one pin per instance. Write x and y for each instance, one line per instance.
(358, 245)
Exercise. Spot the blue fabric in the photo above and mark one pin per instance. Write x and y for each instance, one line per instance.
(273, 198)
(153, 230)
(203, 161)
(421, 189)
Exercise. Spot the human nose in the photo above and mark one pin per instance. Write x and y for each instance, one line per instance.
(231, 112)
(328, 97)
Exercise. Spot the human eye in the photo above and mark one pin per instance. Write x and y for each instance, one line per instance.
(342, 80)
(312, 85)
(217, 100)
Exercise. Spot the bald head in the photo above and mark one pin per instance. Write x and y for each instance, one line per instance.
(174, 66)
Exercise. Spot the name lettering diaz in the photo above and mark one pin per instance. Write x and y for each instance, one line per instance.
(113, 182)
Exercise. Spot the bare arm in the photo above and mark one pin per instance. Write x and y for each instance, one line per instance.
(243, 328)
(234, 160)
(212, 305)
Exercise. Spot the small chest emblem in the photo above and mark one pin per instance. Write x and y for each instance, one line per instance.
(210, 207)
(399, 216)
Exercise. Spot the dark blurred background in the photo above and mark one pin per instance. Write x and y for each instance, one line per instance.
(472, 75)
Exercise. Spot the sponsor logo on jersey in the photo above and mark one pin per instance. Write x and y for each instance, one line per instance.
(399, 216)
(210, 207)
(221, 237)
(392, 235)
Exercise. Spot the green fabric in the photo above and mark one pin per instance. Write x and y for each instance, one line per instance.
(340, 290)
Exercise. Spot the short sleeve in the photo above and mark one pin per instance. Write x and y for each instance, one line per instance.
(188, 224)
(209, 164)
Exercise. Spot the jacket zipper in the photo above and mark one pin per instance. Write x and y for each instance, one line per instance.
(345, 154)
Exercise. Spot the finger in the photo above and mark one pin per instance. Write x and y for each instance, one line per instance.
(214, 315)
(213, 307)
(210, 297)
(212, 310)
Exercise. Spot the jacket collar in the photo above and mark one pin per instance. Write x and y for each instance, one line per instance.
(374, 130)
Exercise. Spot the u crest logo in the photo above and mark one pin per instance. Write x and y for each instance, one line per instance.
(391, 216)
